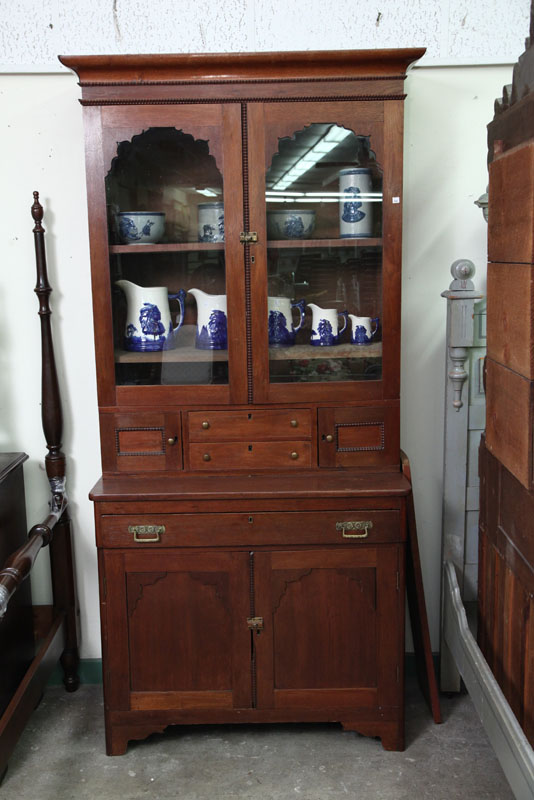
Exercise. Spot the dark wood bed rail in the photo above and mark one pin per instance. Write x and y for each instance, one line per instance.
(60, 640)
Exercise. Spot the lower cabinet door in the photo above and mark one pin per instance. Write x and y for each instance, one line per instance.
(309, 629)
(175, 631)
(333, 628)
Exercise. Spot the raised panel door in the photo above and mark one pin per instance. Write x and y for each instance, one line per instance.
(176, 630)
(333, 635)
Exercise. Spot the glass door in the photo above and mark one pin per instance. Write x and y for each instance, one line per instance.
(321, 278)
(167, 229)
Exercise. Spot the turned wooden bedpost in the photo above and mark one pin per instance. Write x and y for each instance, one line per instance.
(61, 559)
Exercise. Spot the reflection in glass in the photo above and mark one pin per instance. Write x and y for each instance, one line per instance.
(167, 266)
(324, 226)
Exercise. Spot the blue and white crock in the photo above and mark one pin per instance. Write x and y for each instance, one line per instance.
(355, 211)
(211, 320)
(325, 326)
(362, 329)
(282, 331)
(149, 325)
(140, 227)
(211, 222)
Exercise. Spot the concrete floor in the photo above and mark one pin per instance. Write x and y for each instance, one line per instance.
(61, 755)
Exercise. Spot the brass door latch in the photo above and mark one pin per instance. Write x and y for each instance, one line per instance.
(249, 237)
(255, 623)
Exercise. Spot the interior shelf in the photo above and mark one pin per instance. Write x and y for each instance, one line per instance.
(177, 247)
(363, 242)
(188, 354)
(174, 247)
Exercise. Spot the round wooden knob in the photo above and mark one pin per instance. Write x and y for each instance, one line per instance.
(294, 423)
(206, 457)
(329, 438)
(294, 455)
(205, 425)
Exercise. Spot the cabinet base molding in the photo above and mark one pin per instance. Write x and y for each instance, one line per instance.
(387, 724)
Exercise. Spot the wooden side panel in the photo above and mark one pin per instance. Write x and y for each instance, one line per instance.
(506, 587)
(510, 317)
(511, 206)
(509, 420)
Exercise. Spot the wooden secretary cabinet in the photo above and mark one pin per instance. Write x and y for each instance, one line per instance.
(251, 515)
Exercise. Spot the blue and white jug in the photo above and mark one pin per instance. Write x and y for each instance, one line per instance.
(148, 318)
(282, 331)
(325, 326)
(362, 329)
(211, 320)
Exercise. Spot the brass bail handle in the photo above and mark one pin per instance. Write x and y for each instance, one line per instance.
(358, 525)
(146, 533)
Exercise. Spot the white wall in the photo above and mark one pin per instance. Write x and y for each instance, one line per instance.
(41, 142)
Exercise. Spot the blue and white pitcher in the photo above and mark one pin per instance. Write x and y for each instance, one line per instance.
(362, 329)
(148, 319)
(282, 331)
(211, 320)
(325, 326)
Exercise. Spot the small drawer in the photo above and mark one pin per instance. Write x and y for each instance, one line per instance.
(257, 425)
(141, 442)
(359, 437)
(249, 455)
(242, 529)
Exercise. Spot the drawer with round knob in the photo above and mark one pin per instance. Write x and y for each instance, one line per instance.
(251, 455)
(253, 425)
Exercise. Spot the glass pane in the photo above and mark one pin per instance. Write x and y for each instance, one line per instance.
(324, 225)
(167, 267)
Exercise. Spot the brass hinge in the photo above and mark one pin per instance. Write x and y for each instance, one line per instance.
(249, 237)
(255, 623)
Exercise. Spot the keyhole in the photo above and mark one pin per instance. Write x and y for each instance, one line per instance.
(252, 260)
(250, 416)
(250, 448)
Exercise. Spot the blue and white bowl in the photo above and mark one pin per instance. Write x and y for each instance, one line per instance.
(294, 223)
(140, 227)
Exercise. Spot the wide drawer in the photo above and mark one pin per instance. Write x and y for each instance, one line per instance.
(249, 455)
(234, 426)
(249, 530)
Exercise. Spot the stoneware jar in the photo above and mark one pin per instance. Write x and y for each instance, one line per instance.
(211, 222)
(355, 212)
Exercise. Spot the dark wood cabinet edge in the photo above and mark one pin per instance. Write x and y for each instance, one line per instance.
(217, 68)
(10, 462)
(338, 483)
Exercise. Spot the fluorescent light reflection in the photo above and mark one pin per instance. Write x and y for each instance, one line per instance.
(326, 143)
(319, 197)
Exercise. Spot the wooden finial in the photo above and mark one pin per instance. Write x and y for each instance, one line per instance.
(37, 213)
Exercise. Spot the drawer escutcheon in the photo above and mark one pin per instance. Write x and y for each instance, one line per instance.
(354, 526)
(146, 533)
